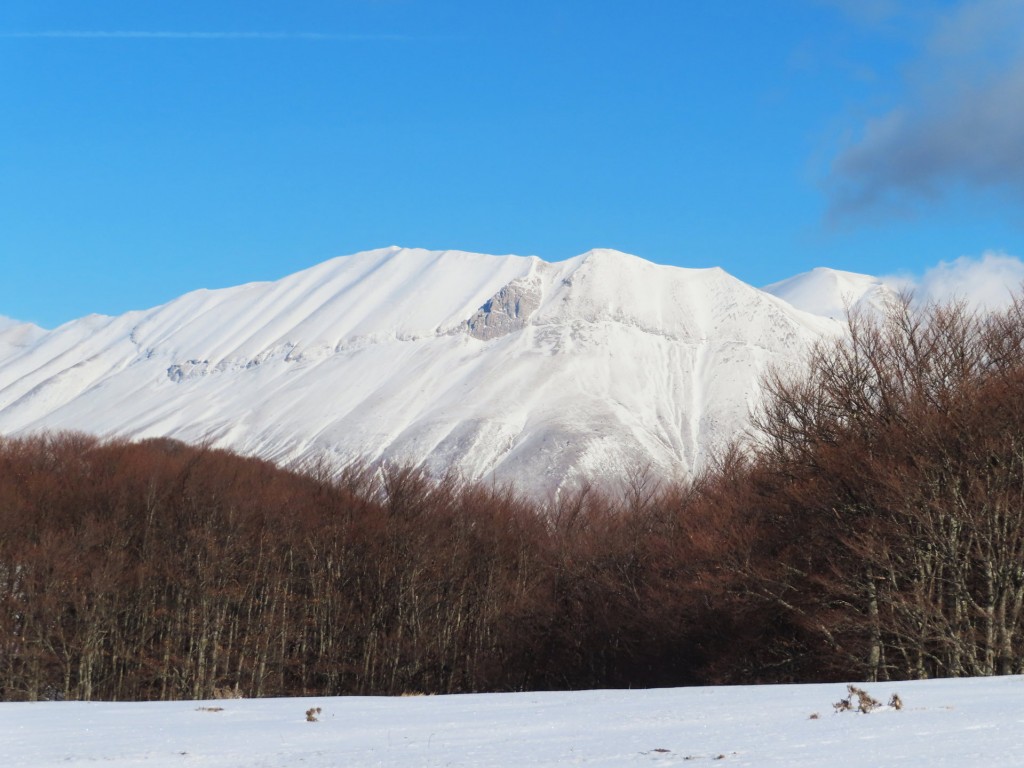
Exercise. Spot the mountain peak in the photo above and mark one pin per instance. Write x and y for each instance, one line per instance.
(503, 367)
(833, 293)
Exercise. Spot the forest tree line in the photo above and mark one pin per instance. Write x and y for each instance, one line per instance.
(872, 527)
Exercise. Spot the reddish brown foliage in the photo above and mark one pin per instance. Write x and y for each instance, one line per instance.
(876, 530)
(157, 570)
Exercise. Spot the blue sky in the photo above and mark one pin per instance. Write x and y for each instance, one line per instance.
(150, 148)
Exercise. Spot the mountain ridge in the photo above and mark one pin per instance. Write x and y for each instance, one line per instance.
(833, 293)
(501, 367)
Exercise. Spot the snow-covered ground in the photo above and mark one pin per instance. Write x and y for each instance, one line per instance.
(976, 722)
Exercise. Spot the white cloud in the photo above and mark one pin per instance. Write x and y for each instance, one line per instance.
(71, 34)
(865, 11)
(986, 282)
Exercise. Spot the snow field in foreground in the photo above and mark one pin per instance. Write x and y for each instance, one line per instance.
(943, 723)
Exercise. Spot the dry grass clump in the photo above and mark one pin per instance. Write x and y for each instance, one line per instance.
(859, 700)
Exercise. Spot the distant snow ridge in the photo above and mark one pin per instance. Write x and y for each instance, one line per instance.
(16, 336)
(832, 293)
(504, 368)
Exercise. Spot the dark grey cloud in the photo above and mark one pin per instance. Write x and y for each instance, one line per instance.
(961, 121)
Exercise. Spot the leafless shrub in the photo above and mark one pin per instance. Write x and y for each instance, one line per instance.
(857, 700)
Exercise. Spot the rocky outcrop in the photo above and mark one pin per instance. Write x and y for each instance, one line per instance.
(507, 311)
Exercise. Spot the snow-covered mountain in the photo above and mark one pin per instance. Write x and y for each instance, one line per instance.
(15, 336)
(502, 367)
(832, 293)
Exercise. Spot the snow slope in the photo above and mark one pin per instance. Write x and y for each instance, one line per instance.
(832, 293)
(943, 723)
(15, 337)
(505, 368)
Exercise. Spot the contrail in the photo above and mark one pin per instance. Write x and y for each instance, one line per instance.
(167, 35)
